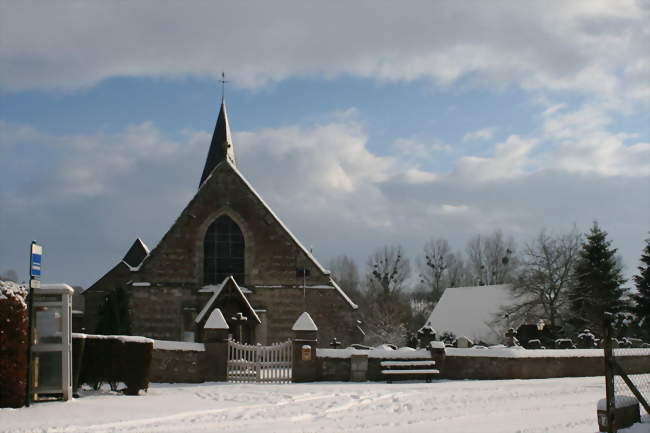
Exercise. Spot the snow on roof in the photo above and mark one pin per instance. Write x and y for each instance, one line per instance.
(217, 289)
(216, 321)
(57, 288)
(469, 311)
(304, 323)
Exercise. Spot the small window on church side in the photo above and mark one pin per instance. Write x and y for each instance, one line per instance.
(223, 251)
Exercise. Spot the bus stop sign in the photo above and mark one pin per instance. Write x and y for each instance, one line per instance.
(35, 260)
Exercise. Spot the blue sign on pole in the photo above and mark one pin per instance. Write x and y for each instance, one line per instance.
(35, 261)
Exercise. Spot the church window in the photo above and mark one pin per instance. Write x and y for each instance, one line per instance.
(223, 251)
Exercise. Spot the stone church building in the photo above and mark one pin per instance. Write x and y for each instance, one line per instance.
(227, 250)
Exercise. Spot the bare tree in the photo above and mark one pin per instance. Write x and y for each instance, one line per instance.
(491, 259)
(9, 275)
(439, 268)
(346, 274)
(546, 276)
(388, 270)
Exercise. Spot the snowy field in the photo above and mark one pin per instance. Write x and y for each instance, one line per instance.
(545, 405)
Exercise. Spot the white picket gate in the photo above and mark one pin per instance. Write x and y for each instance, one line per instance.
(259, 364)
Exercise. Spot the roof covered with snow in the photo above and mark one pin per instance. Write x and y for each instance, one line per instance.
(216, 320)
(470, 311)
(228, 283)
(304, 323)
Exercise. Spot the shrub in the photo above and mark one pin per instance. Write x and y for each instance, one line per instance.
(112, 359)
(13, 344)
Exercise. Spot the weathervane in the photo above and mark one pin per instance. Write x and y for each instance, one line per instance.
(223, 82)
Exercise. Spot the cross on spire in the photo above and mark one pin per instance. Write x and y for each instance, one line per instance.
(223, 82)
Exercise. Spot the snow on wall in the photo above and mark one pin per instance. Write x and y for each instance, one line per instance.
(178, 345)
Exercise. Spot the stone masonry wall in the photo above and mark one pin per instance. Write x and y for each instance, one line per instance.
(178, 366)
(175, 270)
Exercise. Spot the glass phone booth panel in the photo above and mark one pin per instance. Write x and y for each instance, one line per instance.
(52, 342)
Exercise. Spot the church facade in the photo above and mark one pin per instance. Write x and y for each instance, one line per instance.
(227, 249)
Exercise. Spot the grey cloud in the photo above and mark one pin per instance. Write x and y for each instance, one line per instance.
(538, 45)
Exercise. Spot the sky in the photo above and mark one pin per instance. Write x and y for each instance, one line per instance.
(360, 123)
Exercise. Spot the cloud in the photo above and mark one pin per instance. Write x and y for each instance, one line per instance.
(583, 143)
(594, 47)
(511, 159)
(481, 134)
(98, 192)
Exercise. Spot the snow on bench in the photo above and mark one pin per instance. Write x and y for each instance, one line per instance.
(404, 368)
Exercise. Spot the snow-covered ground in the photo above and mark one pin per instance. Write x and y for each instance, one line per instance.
(545, 405)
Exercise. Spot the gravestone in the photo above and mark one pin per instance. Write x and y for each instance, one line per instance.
(464, 343)
(586, 340)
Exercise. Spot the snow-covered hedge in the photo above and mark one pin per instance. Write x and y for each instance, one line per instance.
(116, 358)
(13, 344)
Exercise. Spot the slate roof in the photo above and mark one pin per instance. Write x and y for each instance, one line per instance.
(228, 282)
(136, 254)
(221, 145)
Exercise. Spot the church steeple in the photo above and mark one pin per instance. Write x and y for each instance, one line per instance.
(221, 146)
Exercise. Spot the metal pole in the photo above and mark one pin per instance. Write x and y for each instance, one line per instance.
(30, 306)
(609, 373)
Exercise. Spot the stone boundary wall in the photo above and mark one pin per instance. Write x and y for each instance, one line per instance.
(489, 364)
(178, 362)
(485, 367)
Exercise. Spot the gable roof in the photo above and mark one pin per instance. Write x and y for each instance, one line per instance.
(228, 283)
(307, 253)
(221, 145)
(470, 311)
(136, 254)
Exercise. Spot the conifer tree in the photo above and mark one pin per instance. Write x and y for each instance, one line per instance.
(642, 297)
(599, 281)
(114, 314)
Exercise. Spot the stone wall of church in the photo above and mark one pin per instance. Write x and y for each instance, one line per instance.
(271, 255)
(326, 307)
(175, 270)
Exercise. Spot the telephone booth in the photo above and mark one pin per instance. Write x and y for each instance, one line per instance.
(52, 342)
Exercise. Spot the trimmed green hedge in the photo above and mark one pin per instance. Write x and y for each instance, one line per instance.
(113, 359)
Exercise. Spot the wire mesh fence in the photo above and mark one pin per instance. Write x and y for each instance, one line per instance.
(639, 381)
(627, 381)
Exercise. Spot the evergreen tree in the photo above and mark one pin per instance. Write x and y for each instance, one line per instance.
(642, 297)
(599, 281)
(114, 314)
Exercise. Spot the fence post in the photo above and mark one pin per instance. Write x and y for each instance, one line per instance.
(609, 373)
(304, 366)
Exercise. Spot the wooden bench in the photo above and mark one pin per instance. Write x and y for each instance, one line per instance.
(407, 368)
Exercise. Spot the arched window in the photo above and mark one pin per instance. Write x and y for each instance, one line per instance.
(223, 252)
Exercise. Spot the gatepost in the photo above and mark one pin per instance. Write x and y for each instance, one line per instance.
(305, 365)
(215, 339)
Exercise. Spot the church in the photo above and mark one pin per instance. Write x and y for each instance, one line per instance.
(227, 249)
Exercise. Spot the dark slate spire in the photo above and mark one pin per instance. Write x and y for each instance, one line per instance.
(136, 254)
(221, 145)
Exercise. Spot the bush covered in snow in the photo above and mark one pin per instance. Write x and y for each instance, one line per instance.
(13, 344)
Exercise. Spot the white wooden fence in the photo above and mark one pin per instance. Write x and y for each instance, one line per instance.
(260, 364)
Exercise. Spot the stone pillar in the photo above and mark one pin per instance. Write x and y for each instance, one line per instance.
(358, 367)
(305, 365)
(215, 338)
(438, 353)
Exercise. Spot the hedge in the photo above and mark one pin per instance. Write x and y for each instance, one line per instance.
(13, 344)
(113, 359)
